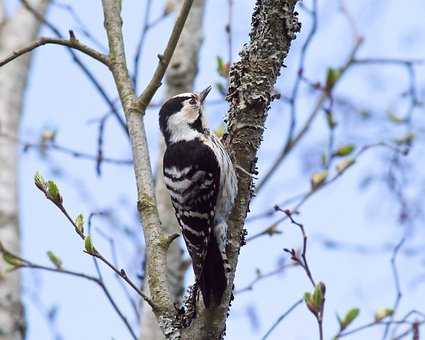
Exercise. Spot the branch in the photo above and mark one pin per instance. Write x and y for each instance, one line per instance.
(18, 262)
(72, 42)
(164, 59)
(294, 140)
(81, 64)
(315, 305)
(155, 238)
(304, 197)
(51, 192)
(45, 145)
(280, 318)
(396, 284)
(261, 276)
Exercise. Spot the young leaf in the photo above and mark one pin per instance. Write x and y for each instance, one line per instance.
(222, 67)
(318, 178)
(57, 262)
(318, 297)
(39, 181)
(12, 260)
(88, 245)
(308, 299)
(382, 313)
(79, 222)
(394, 118)
(344, 164)
(407, 139)
(351, 315)
(332, 77)
(53, 192)
(344, 150)
(220, 88)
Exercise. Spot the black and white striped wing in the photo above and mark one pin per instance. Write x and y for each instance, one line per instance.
(192, 177)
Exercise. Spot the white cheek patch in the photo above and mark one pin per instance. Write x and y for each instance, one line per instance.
(178, 125)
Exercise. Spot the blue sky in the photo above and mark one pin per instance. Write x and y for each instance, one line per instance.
(60, 97)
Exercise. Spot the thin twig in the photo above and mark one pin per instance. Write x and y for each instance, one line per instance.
(141, 42)
(296, 138)
(283, 316)
(72, 42)
(23, 263)
(260, 276)
(94, 252)
(304, 197)
(101, 90)
(164, 59)
(396, 284)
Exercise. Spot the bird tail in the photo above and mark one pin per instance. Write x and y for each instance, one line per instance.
(213, 280)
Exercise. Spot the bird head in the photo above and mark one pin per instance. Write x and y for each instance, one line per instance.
(181, 117)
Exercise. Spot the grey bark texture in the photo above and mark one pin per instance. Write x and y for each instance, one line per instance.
(15, 31)
(273, 27)
(180, 77)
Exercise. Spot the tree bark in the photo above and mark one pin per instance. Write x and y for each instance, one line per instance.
(15, 32)
(273, 27)
(180, 77)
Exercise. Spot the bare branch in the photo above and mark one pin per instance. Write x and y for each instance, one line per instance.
(164, 59)
(23, 263)
(56, 199)
(296, 138)
(101, 90)
(281, 318)
(304, 197)
(67, 151)
(156, 243)
(72, 42)
(261, 276)
(141, 41)
(396, 284)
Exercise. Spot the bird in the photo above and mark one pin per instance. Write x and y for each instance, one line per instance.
(201, 180)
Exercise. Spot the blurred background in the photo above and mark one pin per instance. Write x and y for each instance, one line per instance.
(352, 91)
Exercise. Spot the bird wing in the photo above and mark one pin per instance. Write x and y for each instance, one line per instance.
(192, 177)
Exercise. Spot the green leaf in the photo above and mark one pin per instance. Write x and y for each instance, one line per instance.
(39, 181)
(349, 317)
(394, 118)
(382, 313)
(344, 150)
(318, 178)
(222, 67)
(88, 245)
(332, 77)
(344, 165)
(330, 119)
(407, 139)
(53, 192)
(79, 222)
(308, 299)
(318, 296)
(57, 262)
(220, 87)
(12, 260)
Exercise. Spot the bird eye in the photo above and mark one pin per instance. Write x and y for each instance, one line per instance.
(192, 101)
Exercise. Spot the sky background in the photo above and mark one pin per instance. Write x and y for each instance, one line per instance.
(59, 97)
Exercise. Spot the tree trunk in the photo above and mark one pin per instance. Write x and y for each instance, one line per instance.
(15, 32)
(180, 78)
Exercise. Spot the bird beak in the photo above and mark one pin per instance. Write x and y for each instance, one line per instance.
(204, 93)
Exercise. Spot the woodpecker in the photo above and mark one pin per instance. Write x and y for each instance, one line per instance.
(202, 184)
